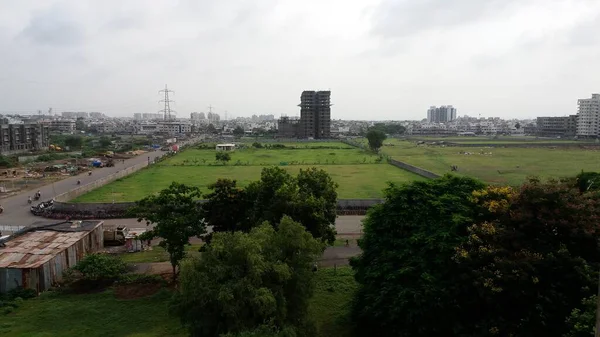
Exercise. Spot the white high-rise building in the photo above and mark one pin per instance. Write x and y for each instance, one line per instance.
(588, 116)
(445, 113)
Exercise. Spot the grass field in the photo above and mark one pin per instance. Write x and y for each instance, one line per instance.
(101, 314)
(359, 174)
(498, 165)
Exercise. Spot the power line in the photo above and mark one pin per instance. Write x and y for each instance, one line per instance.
(167, 110)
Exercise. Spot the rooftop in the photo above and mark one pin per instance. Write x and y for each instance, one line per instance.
(36, 245)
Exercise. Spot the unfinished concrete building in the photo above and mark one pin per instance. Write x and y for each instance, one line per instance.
(288, 127)
(315, 114)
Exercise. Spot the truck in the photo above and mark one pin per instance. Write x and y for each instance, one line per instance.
(115, 237)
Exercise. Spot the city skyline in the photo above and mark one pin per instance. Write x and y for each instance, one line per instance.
(510, 59)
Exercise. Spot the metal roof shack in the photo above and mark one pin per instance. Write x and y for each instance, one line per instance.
(36, 256)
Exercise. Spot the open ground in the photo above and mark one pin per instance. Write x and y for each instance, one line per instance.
(496, 165)
(360, 174)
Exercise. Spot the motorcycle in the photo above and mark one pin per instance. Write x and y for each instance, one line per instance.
(78, 182)
(29, 200)
(90, 173)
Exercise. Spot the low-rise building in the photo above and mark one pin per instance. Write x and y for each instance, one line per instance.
(557, 126)
(35, 257)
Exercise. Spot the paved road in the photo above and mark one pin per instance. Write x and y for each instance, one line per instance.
(16, 208)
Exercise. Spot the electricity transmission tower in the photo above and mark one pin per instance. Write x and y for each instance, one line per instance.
(167, 110)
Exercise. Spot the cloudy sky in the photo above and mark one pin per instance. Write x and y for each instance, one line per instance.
(382, 59)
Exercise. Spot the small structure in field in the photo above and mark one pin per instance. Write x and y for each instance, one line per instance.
(35, 257)
(225, 147)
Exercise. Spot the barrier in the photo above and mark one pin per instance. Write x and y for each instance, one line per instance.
(99, 210)
(413, 169)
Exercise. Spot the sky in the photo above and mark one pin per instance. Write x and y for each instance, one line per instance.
(382, 59)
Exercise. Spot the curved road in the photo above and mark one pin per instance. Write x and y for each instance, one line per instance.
(16, 209)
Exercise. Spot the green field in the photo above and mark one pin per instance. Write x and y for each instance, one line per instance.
(496, 165)
(360, 174)
(101, 314)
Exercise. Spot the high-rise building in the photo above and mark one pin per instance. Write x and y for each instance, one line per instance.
(315, 114)
(588, 116)
(445, 113)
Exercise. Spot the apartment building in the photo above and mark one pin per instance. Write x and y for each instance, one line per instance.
(23, 137)
(557, 126)
(63, 125)
(443, 114)
(315, 114)
(588, 117)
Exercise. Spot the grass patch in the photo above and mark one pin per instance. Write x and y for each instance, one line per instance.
(497, 165)
(102, 314)
(330, 306)
(157, 254)
(90, 315)
(355, 181)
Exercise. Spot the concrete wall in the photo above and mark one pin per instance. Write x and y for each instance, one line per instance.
(413, 169)
(119, 210)
(61, 198)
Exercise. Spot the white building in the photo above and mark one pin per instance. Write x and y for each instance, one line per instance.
(445, 113)
(175, 127)
(147, 128)
(588, 116)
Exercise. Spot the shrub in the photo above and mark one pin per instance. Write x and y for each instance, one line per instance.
(98, 267)
(257, 145)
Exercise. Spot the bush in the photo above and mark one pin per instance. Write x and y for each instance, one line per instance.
(257, 145)
(99, 267)
(140, 279)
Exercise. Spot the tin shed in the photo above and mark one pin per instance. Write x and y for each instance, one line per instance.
(36, 257)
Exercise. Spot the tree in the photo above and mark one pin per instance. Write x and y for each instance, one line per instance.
(309, 198)
(392, 129)
(74, 141)
(535, 259)
(517, 126)
(375, 138)
(405, 272)
(211, 129)
(105, 142)
(244, 280)
(223, 157)
(80, 125)
(174, 214)
(225, 207)
(494, 262)
(238, 131)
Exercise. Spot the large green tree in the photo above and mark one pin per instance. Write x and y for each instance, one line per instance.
(309, 198)
(375, 138)
(174, 215)
(439, 260)
(238, 131)
(245, 280)
(534, 261)
(405, 272)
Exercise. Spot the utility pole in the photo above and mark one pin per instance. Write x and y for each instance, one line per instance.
(167, 110)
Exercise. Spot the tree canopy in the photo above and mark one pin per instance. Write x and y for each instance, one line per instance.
(375, 138)
(245, 280)
(309, 198)
(238, 131)
(391, 129)
(223, 157)
(173, 212)
(450, 257)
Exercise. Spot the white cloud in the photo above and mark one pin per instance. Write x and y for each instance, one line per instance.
(385, 59)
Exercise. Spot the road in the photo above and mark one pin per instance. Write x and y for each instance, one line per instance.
(16, 209)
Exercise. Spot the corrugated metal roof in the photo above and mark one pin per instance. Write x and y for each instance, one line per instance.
(33, 249)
